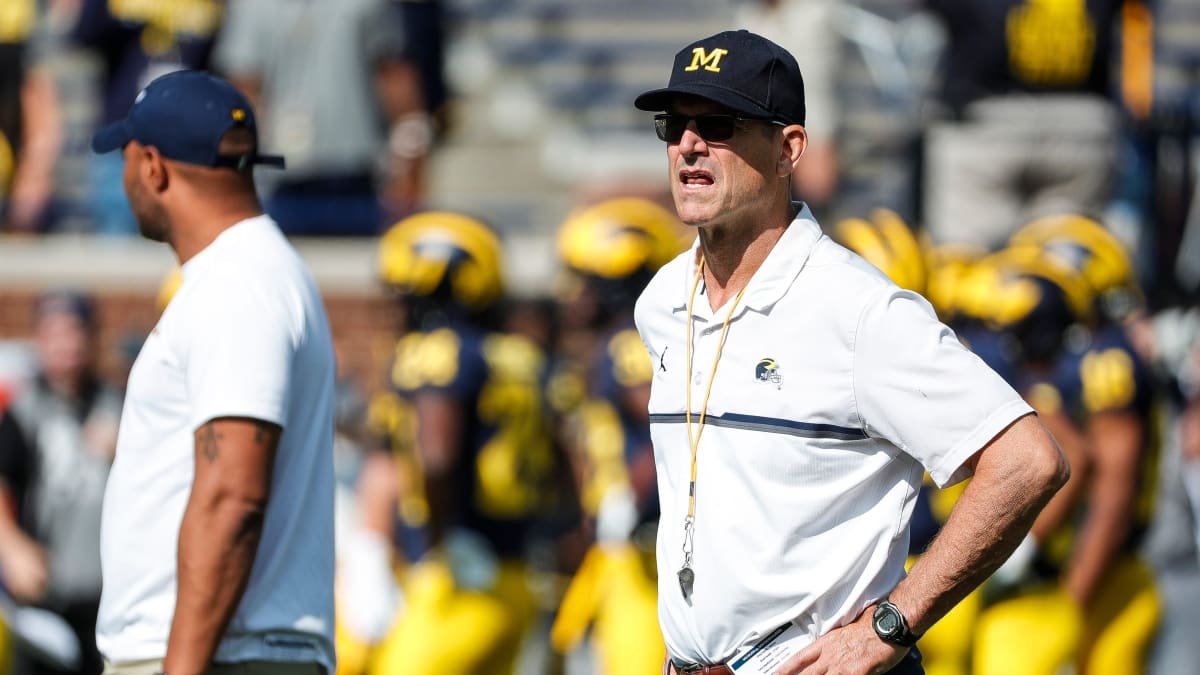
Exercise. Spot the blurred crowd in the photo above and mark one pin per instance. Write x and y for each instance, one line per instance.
(1029, 166)
(352, 90)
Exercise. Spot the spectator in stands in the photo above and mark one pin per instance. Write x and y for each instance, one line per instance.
(416, 110)
(1031, 124)
(30, 135)
(806, 29)
(1176, 98)
(56, 445)
(341, 89)
(136, 42)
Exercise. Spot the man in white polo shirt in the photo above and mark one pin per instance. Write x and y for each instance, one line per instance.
(217, 524)
(799, 397)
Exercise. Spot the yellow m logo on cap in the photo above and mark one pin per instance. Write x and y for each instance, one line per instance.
(710, 61)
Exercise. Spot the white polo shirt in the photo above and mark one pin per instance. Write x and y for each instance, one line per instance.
(245, 335)
(835, 390)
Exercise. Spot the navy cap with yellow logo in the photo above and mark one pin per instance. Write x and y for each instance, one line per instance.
(740, 70)
(184, 114)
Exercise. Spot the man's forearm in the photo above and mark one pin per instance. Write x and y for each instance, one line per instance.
(218, 539)
(1010, 487)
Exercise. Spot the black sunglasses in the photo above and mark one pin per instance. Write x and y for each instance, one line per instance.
(712, 127)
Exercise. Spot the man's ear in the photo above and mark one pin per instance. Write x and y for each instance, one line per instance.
(795, 141)
(154, 169)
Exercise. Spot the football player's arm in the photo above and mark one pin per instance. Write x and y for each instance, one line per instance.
(378, 487)
(1062, 505)
(378, 492)
(219, 535)
(1115, 446)
(439, 437)
(1015, 475)
(633, 370)
(642, 475)
(366, 588)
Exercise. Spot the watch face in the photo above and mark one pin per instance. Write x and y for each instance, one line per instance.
(887, 623)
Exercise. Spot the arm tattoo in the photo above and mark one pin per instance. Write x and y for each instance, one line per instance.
(208, 442)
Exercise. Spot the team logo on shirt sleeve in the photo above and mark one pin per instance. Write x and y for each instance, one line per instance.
(767, 370)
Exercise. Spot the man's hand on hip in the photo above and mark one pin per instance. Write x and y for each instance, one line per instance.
(853, 649)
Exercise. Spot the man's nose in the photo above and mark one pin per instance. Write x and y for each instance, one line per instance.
(692, 142)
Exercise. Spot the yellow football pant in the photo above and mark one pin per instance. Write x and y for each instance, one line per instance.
(946, 648)
(1043, 629)
(5, 648)
(614, 591)
(446, 631)
(353, 652)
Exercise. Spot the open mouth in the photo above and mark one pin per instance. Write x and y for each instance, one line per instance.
(695, 178)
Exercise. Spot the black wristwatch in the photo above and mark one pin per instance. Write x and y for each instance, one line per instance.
(891, 626)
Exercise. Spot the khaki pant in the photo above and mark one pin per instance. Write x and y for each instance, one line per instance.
(1018, 157)
(152, 666)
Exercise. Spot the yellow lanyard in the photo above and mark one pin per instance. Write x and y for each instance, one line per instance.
(687, 576)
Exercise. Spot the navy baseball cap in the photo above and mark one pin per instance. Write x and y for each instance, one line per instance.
(184, 114)
(739, 70)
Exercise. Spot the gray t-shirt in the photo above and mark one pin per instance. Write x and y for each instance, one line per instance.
(70, 452)
(314, 60)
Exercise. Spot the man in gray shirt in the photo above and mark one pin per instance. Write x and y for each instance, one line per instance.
(337, 92)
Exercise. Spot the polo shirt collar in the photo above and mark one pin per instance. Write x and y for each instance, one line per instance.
(772, 279)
